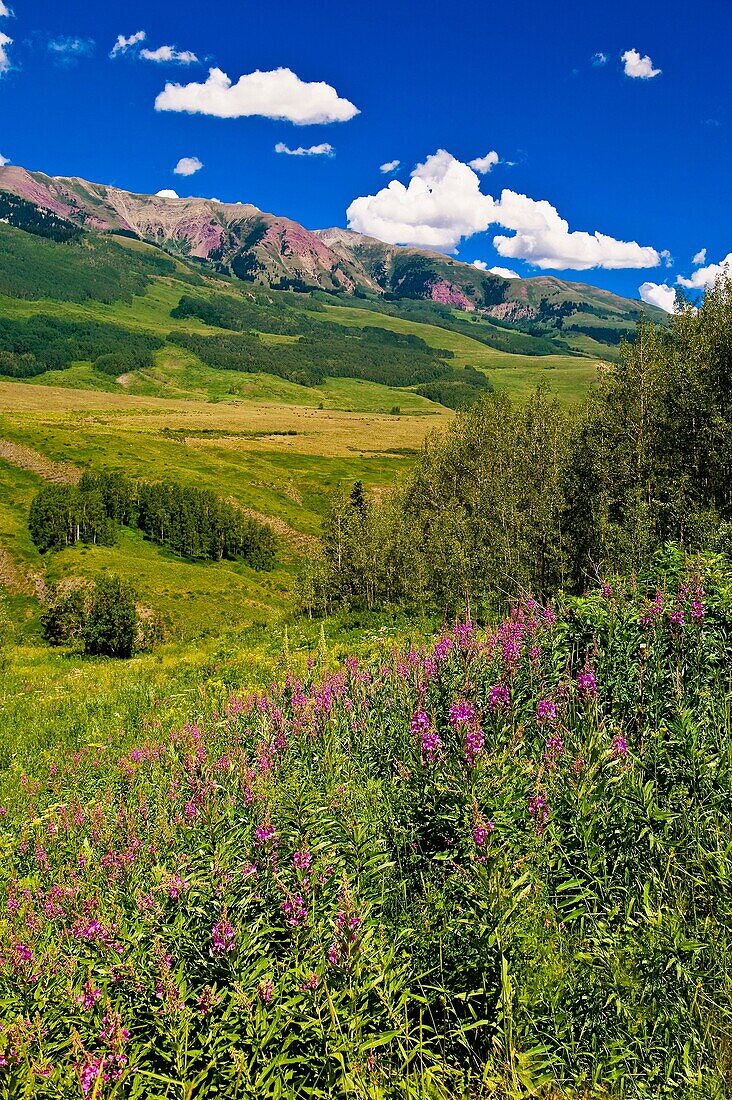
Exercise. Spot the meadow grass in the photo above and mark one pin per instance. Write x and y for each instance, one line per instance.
(490, 865)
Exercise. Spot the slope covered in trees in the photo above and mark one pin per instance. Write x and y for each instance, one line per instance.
(530, 497)
(192, 522)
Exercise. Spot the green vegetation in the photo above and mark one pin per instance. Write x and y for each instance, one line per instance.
(89, 268)
(531, 498)
(492, 863)
(363, 854)
(188, 521)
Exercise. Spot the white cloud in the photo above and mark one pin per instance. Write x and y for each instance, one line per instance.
(166, 193)
(70, 47)
(389, 166)
(700, 257)
(544, 238)
(484, 164)
(658, 294)
(443, 203)
(279, 94)
(122, 45)
(322, 150)
(505, 272)
(5, 10)
(599, 58)
(705, 277)
(4, 59)
(640, 68)
(169, 54)
(3, 161)
(188, 166)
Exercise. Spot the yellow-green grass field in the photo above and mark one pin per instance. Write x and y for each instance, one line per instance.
(278, 460)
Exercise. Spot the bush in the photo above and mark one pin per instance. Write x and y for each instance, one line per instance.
(111, 625)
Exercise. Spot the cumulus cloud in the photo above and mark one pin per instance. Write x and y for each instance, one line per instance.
(637, 67)
(5, 10)
(705, 277)
(483, 165)
(188, 166)
(443, 204)
(505, 272)
(279, 94)
(658, 294)
(544, 238)
(4, 58)
(700, 257)
(166, 193)
(322, 150)
(3, 161)
(599, 58)
(122, 45)
(389, 166)
(169, 54)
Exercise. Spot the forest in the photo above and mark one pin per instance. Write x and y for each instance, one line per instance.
(194, 523)
(536, 498)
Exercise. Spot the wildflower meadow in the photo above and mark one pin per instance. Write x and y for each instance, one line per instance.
(495, 864)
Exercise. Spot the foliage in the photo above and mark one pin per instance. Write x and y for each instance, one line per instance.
(495, 865)
(62, 515)
(101, 617)
(36, 220)
(92, 268)
(110, 626)
(531, 498)
(654, 455)
(481, 515)
(189, 521)
(45, 342)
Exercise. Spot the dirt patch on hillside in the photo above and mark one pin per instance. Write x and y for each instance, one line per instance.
(17, 454)
(19, 581)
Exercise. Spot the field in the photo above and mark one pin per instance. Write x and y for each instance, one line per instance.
(491, 865)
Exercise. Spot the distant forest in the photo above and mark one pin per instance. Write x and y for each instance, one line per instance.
(195, 523)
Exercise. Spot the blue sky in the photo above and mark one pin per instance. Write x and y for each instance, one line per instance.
(642, 159)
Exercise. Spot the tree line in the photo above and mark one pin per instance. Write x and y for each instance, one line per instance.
(537, 498)
(195, 523)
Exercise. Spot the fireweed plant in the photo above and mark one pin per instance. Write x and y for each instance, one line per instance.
(492, 866)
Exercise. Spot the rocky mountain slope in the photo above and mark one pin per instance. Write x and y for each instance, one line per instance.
(264, 249)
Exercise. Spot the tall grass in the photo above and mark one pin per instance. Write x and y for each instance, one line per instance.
(492, 866)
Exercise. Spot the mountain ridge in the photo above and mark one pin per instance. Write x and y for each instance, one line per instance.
(276, 251)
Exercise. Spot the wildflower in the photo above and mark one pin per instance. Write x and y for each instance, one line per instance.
(333, 954)
(312, 982)
(265, 834)
(481, 834)
(89, 997)
(587, 684)
(430, 740)
(554, 748)
(546, 711)
(499, 697)
(619, 747)
(176, 886)
(265, 991)
(295, 911)
(653, 612)
(207, 999)
(302, 860)
(539, 810)
(222, 938)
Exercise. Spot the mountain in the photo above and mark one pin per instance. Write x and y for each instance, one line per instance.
(276, 252)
